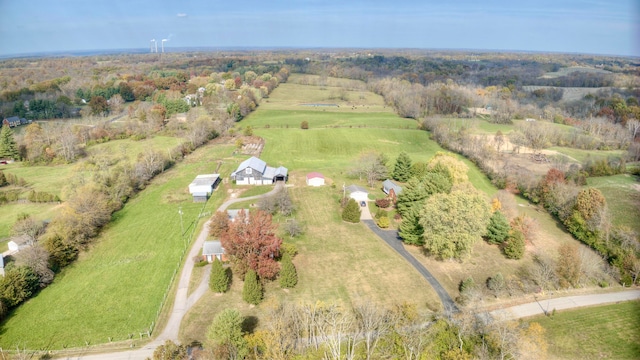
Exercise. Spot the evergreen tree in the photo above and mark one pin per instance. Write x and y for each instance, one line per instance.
(351, 212)
(288, 273)
(252, 290)
(498, 228)
(417, 190)
(219, 281)
(514, 246)
(410, 229)
(226, 336)
(402, 170)
(8, 147)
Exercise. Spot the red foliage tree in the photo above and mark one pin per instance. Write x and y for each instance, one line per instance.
(251, 243)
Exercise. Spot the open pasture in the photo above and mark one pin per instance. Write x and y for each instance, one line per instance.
(117, 287)
(599, 332)
(623, 198)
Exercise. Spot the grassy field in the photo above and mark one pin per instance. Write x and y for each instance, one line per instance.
(602, 332)
(623, 198)
(337, 262)
(58, 176)
(583, 155)
(117, 287)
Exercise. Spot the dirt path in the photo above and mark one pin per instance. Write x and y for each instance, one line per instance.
(182, 302)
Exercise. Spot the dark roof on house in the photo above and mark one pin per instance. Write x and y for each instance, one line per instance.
(212, 248)
(353, 188)
(387, 185)
(233, 214)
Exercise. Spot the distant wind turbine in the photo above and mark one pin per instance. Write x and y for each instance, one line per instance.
(163, 40)
(153, 41)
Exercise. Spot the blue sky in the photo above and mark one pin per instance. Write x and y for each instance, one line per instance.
(597, 27)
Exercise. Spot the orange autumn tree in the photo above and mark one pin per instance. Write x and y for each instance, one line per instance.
(251, 243)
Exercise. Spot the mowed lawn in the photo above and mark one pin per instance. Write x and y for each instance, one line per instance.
(337, 262)
(623, 198)
(116, 288)
(10, 212)
(601, 332)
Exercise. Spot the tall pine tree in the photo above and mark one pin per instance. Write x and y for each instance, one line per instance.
(219, 281)
(252, 289)
(288, 274)
(402, 170)
(8, 147)
(410, 229)
(498, 228)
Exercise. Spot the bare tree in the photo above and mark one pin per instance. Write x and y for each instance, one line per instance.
(372, 166)
(37, 258)
(374, 323)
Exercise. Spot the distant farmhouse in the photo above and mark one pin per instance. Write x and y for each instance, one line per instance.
(202, 186)
(254, 171)
(15, 121)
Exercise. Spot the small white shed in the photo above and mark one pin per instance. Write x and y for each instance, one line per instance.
(18, 243)
(315, 179)
(203, 185)
(357, 193)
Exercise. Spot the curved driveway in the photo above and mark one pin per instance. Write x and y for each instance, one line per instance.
(393, 240)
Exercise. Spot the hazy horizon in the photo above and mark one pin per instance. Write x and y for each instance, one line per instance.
(562, 26)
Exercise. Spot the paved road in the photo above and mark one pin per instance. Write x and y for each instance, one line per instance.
(392, 239)
(182, 303)
(563, 303)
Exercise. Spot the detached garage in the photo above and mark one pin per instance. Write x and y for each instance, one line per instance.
(315, 179)
(357, 193)
(202, 186)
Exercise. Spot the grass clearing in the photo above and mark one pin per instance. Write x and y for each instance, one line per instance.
(623, 198)
(251, 190)
(583, 156)
(116, 288)
(605, 332)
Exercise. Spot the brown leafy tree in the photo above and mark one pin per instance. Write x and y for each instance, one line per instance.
(251, 243)
(219, 224)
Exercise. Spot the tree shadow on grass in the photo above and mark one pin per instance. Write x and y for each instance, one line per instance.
(249, 324)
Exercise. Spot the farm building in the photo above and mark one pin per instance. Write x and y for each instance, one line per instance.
(254, 171)
(357, 193)
(18, 243)
(315, 179)
(211, 249)
(202, 186)
(391, 189)
(233, 214)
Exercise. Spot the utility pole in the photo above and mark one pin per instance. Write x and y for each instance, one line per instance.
(181, 223)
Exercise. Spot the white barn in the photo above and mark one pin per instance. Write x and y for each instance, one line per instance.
(254, 171)
(315, 179)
